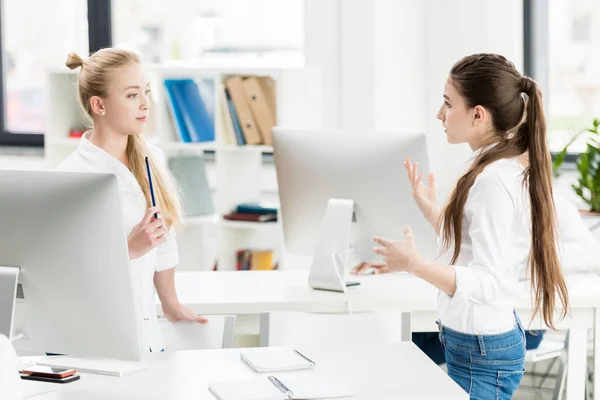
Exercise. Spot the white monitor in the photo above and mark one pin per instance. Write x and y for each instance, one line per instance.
(64, 233)
(334, 182)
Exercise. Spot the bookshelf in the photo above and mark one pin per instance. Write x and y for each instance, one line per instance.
(237, 174)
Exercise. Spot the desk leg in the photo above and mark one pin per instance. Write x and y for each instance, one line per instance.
(596, 354)
(577, 364)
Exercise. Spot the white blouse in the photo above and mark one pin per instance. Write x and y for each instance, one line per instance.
(496, 239)
(90, 158)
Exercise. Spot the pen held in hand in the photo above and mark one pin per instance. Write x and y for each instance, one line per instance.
(151, 187)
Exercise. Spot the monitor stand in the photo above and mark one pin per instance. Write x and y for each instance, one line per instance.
(8, 297)
(331, 252)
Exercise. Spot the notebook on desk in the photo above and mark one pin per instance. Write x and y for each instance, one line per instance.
(272, 388)
(95, 366)
(275, 359)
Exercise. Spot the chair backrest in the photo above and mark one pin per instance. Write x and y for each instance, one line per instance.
(291, 328)
(10, 383)
(217, 333)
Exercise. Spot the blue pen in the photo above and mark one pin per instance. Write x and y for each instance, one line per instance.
(151, 188)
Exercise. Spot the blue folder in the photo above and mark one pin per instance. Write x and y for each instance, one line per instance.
(191, 116)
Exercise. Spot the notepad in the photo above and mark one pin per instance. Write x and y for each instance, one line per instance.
(95, 366)
(272, 388)
(273, 360)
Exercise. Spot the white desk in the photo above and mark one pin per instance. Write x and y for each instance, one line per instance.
(371, 372)
(253, 292)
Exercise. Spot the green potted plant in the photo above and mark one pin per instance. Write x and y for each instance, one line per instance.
(588, 165)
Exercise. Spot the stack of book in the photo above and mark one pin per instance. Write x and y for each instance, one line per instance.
(252, 213)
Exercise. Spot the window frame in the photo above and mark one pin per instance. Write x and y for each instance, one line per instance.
(99, 36)
(535, 52)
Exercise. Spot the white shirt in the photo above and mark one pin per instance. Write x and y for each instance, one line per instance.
(495, 249)
(90, 158)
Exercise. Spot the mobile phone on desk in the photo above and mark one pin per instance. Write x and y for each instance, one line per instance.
(49, 372)
(40, 378)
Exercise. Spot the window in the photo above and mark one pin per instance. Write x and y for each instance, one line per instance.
(33, 42)
(569, 65)
(212, 32)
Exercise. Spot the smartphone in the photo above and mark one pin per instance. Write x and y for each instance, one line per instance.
(32, 377)
(50, 372)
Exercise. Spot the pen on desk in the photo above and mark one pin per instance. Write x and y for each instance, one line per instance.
(151, 188)
(284, 389)
(306, 358)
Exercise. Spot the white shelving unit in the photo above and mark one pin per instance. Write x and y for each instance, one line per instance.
(237, 174)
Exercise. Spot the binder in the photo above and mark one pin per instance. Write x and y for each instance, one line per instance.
(175, 111)
(235, 87)
(192, 117)
(237, 129)
(268, 86)
(272, 388)
(190, 173)
(260, 109)
(226, 123)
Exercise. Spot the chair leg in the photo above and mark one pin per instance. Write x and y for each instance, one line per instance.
(561, 379)
(548, 372)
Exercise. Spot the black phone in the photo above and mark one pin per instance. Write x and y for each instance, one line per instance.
(68, 379)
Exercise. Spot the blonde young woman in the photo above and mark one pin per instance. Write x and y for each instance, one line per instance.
(500, 218)
(114, 91)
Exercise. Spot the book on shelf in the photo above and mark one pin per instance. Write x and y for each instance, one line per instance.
(250, 217)
(255, 208)
(254, 260)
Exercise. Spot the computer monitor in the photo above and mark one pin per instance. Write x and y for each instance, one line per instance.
(334, 182)
(64, 233)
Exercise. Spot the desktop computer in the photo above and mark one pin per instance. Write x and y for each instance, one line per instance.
(340, 189)
(64, 239)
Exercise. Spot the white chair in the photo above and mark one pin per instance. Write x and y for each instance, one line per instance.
(291, 328)
(217, 333)
(552, 347)
(10, 383)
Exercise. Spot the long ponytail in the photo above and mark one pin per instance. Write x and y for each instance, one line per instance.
(544, 265)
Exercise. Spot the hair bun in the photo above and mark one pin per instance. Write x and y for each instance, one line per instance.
(74, 61)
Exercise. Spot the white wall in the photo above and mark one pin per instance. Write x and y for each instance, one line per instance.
(455, 29)
(393, 57)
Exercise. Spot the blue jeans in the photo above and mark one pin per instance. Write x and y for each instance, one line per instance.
(429, 343)
(485, 366)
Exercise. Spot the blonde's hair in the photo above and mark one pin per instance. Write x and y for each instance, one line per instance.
(94, 78)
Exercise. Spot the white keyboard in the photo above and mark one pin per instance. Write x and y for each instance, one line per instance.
(95, 366)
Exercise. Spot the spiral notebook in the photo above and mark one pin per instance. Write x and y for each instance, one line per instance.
(276, 359)
(272, 388)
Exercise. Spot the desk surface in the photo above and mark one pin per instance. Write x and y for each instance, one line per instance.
(253, 292)
(393, 371)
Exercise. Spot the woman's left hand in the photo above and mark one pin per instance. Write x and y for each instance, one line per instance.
(398, 255)
(181, 313)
